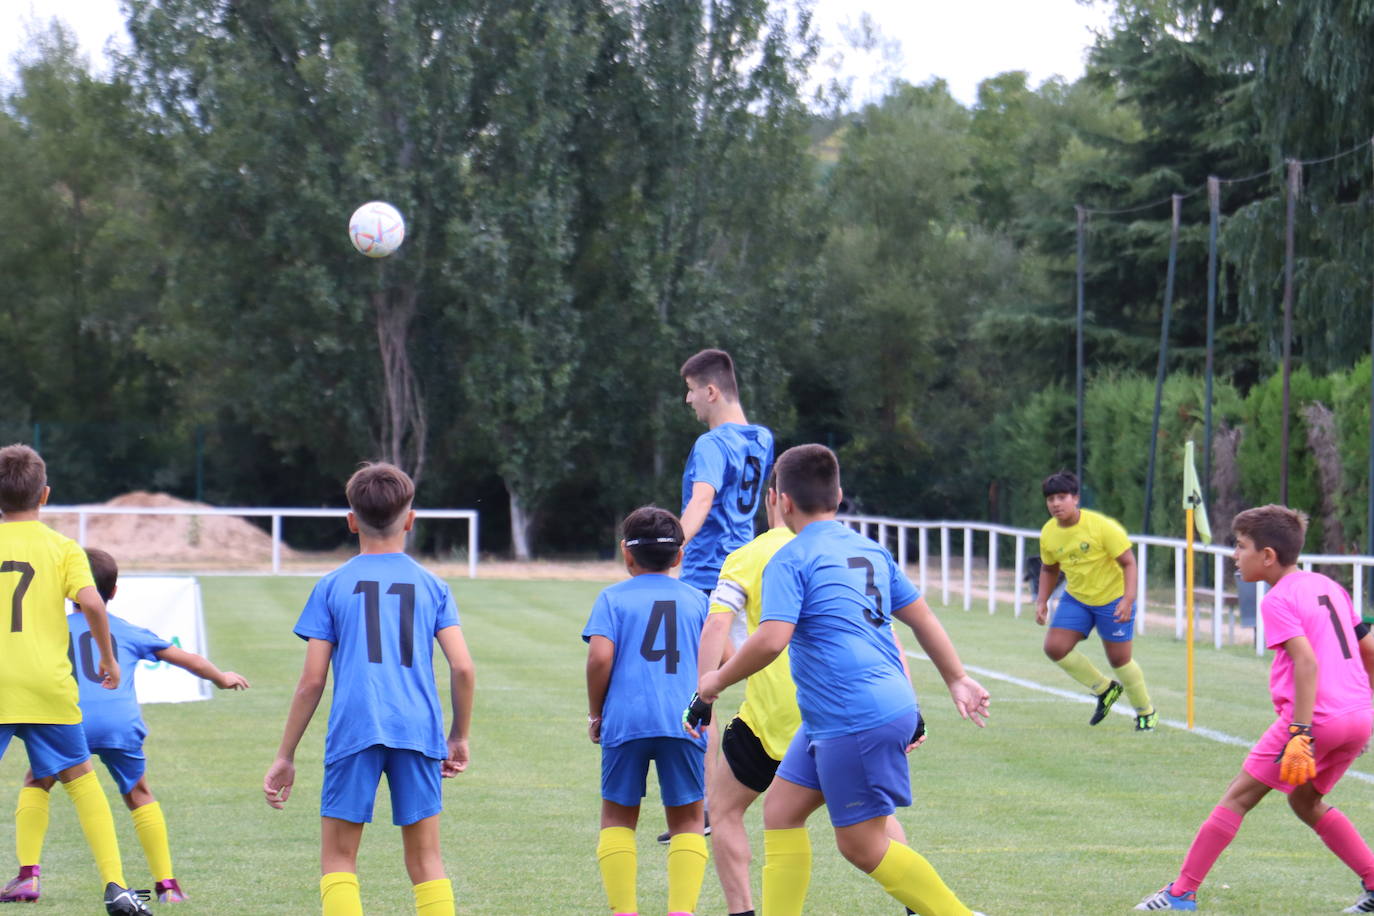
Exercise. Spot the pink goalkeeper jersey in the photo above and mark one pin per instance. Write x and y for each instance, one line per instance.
(1309, 604)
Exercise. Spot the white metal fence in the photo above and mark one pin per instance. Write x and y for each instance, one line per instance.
(1217, 604)
(84, 513)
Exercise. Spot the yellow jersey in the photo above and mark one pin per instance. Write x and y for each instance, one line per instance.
(1086, 553)
(39, 570)
(770, 698)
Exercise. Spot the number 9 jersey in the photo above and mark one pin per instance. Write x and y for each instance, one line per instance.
(654, 621)
(382, 612)
(735, 460)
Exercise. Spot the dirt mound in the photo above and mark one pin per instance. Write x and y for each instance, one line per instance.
(141, 539)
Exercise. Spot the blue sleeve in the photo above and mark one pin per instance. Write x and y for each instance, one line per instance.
(707, 463)
(315, 621)
(601, 622)
(782, 591)
(901, 589)
(147, 643)
(448, 608)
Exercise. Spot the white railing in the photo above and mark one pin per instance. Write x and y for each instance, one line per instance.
(83, 514)
(886, 531)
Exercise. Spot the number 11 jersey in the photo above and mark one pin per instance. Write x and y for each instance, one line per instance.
(655, 622)
(382, 612)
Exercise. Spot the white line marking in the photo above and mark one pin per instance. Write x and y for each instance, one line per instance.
(1201, 732)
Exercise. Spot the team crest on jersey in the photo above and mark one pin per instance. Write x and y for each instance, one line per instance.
(1083, 546)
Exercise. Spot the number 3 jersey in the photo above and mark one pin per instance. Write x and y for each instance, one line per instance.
(839, 589)
(655, 623)
(111, 718)
(39, 570)
(1311, 605)
(735, 460)
(382, 612)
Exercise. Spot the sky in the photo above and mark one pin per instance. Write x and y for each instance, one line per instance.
(961, 41)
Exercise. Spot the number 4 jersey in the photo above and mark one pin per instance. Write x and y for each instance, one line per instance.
(655, 622)
(1311, 605)
(382, 612)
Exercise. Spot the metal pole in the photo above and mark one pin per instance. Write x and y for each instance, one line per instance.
(1177, 201)
(1078, 363)
(1369, 493)
(1294, 180)
(1214, 218)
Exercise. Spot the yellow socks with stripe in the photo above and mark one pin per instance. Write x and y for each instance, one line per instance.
(434, 898)
(1133, 679)
(905, 874)
(786, 871)
(30, 824)
(686, 868)
(93, 811)
(151, 828)
(1078, 667)
(340, 894)
(618, 858)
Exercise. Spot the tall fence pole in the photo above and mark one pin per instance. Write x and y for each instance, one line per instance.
(1078, 362)
(1369, 491)
(1294, 180)
(1213, 220)
(1177, 201)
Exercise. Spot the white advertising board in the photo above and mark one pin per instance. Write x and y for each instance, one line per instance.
(170, 607)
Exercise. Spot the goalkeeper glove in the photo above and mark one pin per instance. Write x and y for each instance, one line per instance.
(1296, 764)
(920, 730)
(697, 713)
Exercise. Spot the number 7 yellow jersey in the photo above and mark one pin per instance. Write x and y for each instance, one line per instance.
(39, 570)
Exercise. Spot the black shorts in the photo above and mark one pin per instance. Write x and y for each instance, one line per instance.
(748, 760)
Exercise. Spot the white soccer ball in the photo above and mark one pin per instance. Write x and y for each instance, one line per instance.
(376, 229)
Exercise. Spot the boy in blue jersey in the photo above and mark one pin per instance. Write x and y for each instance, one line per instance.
(114, 730)
(830, 596)
(723, 482)
(641, 671)
(375, 619)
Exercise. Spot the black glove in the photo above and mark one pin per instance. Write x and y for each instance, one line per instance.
(697, 713)
(920, 730)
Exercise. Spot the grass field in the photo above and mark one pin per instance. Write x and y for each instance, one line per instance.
(1037, 814)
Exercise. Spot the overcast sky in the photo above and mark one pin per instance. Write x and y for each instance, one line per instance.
(963, 41)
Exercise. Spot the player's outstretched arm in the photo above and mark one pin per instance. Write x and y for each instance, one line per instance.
(93, 609)
(968, 695)
(1365, 640)
(600, 660)
(763, 645)
(201, 666)
(462, 681)
(715, 634)
(281, 775)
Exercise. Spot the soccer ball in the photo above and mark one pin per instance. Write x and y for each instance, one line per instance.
(376, 229)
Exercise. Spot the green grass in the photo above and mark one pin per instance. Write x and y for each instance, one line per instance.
(1037, 814)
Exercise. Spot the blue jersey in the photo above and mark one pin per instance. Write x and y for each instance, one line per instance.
(655, 623)
(735, 460)
(382, 612)
(839, 589)
(111, 718)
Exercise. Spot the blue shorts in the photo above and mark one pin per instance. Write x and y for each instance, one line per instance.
(350, 785)
(681, 766)
(1072, 614)
(862, 776)
(51, 748)
(126, 767)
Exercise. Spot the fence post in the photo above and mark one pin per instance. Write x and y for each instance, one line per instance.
(472, 547)
(1178, 593)
(968, 569)
(1142, 581)
(1218, 598)
(1020, 575)
(992, 572)
(921, 555)
(944, 562)
(276, 543)
(1259, 618)
(81, 532)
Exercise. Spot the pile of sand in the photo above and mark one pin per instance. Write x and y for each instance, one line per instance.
(212, 540)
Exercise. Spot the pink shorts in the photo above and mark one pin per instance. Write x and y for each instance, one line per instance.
(1338, 742)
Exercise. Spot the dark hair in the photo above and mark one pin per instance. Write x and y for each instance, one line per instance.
(1277, 527)
(653, 536)
(379, 495)
(23, 475)
(713, 367)
(1060, 482)
(810, 475)
(104, 570)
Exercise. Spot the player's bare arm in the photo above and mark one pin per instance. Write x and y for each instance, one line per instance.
(1304, 678)
(462, 681)
(698, 507)
(1128, 574)
(97, 618)
(763, 645)
(202, 667)
(600, 658)
(1366, 644)
(715, 636)
(281, 775)
(1049, 578)
(968, 695)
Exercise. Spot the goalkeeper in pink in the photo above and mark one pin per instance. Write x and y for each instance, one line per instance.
(1320, 683)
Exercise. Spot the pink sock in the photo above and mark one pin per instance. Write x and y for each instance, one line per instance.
(1341, 837)
(1215, 834)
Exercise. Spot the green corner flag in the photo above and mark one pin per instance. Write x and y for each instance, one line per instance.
(1192, 495)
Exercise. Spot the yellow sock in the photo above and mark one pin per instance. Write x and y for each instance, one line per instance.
(30, 824)
(1133, 679)
(618, 858)
(151, 828)
(434, 898)
(1084, 671)
(905, 874)
(686, 868)
(93, 811)
(786, 871)
(339, 894)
